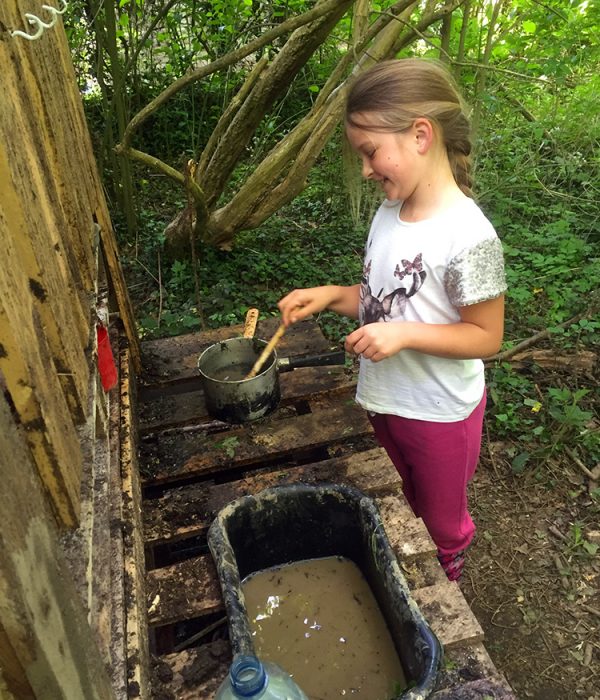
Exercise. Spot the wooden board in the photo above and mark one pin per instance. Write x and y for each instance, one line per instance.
(406, 533)
(117, 282)
(171, 360)
(136, 628)
(12, 672)
(183, 591)
(51, 199)
(193, 467)
(87, 549)
(36, 396)
(46, 194)
(41, 613)
(198, 672)
(118, 526)
(170, 410)
(187, 511)
(183, 455)
(53, 167)
(449, 615)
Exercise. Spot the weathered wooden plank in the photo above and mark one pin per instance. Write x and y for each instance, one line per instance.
(448, 614)
(407, 534)
(475, 659)
(87, 548)
(41, 613)
(422, 572)
(45, 81)
(44, 92)
(187, 511)
(47, 132)
(70, 154)
(171, 360)
(138, 654)
(12, 672)
(42, 409)
(5, 693)
(117, 528)
(117, 279)
(184, 590)
(183, 455)
(59, 193)
(49, 196)
(32, 268)
(77, 183)
(197, 673)
(101, 555)
(173, 410)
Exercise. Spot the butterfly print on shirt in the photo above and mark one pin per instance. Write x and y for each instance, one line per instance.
(409, 267)
(393, 304)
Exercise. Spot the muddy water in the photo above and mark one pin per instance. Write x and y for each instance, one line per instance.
(231, 373)
(319, 620)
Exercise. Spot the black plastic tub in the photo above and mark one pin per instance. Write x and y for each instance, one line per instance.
(286, 524)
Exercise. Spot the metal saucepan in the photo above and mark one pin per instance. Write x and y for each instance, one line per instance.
(230, 397)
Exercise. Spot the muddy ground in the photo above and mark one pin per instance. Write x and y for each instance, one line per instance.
(532, 577)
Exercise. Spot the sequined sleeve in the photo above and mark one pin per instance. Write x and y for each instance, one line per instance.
(476, 274)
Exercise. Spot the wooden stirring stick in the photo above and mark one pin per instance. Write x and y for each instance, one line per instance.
(250, 323)
(266, 352)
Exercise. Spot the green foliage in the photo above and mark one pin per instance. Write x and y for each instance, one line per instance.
(578, 545)
(540, 425)
(312, 241)
(550, 269)
(228, 445)
(537, 180)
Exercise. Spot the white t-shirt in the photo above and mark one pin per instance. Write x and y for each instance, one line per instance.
(424, 271)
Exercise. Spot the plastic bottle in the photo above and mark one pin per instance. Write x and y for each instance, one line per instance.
(251, 678)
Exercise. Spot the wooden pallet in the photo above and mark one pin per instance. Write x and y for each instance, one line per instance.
(192, 466)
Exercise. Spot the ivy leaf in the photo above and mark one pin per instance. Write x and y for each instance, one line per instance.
(228, 445)
(519, 462)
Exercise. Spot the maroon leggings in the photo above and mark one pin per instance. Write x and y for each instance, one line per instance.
(436, 461)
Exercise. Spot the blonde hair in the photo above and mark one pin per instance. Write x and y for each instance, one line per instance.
(402, 90)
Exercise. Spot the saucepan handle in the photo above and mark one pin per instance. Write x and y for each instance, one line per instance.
(338, 357)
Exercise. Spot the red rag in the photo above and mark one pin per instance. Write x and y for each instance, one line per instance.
(106, 361)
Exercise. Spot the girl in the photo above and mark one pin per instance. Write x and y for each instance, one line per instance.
(431, 300)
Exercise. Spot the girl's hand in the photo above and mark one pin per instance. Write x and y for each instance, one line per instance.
(300, 303)
(478, 334)
(376, 341)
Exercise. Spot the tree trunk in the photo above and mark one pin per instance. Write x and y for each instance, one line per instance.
(283, 172)
(445, 32)
(272, 82)
(460, 55)
(485, 59)
(126, 193)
